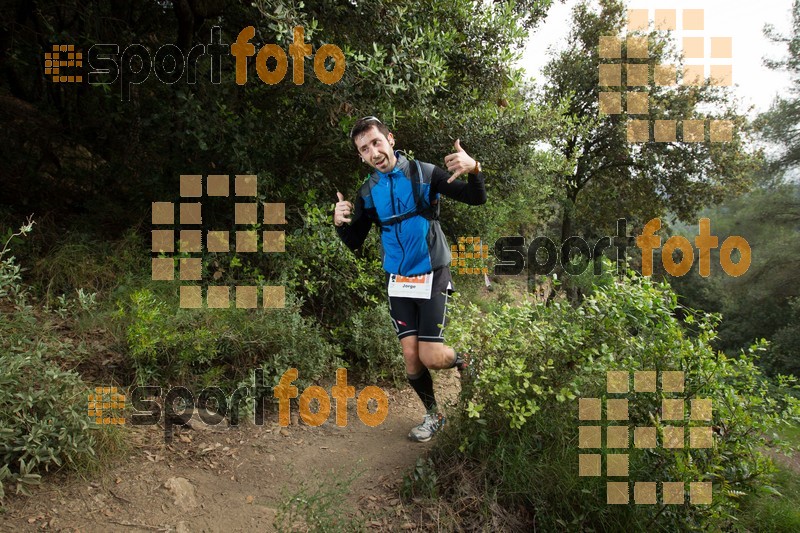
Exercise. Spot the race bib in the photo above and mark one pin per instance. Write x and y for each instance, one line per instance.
(411, 286)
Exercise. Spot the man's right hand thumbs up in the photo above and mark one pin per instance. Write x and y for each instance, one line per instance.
(342, 210)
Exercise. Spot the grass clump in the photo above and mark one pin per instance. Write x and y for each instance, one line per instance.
(319, 507)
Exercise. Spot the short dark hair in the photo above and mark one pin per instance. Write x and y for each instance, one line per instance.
(364, 124)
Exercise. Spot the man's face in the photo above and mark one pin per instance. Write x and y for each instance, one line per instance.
(376, 150)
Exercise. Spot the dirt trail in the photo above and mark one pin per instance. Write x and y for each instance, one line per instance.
(791, 462)
(238, 478)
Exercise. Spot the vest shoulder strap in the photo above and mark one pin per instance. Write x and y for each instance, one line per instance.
(429, 212)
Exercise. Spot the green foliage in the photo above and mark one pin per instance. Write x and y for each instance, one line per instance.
(587, 281)
(781, 357)
(372, 345)
(82, 262)
(603, 176)
(43, 422)
(10, 272)
(421, 481)
(163, 348)
(779, 124)
(776, 507)
(520, 426)
(170, 345)
(519, 188)
(333, 282)
(413, 63)
(757, 304)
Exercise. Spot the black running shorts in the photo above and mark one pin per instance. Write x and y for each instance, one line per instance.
(424, 318)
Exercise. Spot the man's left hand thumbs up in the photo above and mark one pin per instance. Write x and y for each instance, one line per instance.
(458, 162)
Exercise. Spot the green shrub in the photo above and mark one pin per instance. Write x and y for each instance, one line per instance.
(776, 507)
(420, 481)
(372, 344)
(781, 355)
(43, 420)
(11, 287)
(333, 282)
(320, 505)
(519, 425)
(81, 262)
(169, 345)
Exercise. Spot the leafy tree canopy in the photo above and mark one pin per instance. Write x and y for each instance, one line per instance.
(604, 176)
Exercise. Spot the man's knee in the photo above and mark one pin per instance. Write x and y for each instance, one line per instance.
(411, 354)
(430, 353)
(410, 347)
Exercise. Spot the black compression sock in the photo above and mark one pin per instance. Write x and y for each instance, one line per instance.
(423, 386)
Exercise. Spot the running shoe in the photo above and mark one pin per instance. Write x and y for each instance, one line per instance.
(432, 423)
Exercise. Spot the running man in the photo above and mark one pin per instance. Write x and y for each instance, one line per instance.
(401, 197)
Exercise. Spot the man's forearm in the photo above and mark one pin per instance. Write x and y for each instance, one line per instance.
(354, 234)
(476, 189)
(472, 192)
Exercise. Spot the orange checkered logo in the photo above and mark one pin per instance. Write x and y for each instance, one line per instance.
(59, 62)
(190, 240)
(671, 433)
(631, 62)
(105, 406)
(466, 253)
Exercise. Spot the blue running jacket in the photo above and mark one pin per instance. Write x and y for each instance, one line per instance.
(416, 244)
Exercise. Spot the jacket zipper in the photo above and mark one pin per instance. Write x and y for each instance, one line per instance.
(397, 228)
